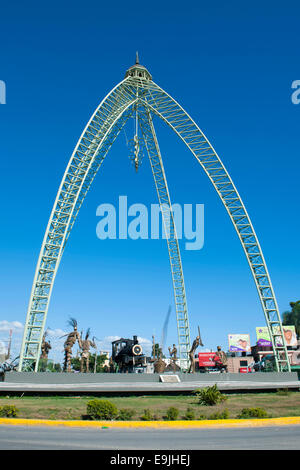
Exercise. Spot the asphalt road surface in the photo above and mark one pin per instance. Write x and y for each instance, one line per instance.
(59, 438)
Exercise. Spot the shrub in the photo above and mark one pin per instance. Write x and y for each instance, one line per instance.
(247, 413)
(189, 414)
(8, 411)
(202, 417)
(125, 414)
(147, 416)
(172, 413)
(210, 396)
(220, 415)
(101, 409)
(283, 392)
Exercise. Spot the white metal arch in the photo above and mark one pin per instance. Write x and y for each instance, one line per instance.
(93, 145)
(163, 105)
(88, 155)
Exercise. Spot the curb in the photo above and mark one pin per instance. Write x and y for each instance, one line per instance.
(228, 423)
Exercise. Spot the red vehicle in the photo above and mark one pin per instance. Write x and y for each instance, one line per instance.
(245, 370)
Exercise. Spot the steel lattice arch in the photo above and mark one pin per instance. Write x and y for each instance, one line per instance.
(138, 96)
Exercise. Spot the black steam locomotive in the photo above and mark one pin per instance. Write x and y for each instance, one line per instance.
(128, 355)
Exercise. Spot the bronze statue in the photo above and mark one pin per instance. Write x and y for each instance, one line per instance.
(46, 346)
(69, 343)
(159, 366)
(192, 354)
(221, 359)
(173, 353)
(86, 344)
(173, 356)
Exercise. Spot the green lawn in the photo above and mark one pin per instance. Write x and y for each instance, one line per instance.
(276, 404)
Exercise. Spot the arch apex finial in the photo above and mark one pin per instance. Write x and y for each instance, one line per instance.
(137, 70)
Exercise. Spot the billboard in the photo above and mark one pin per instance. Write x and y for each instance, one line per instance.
(239, 343)
(263, 337)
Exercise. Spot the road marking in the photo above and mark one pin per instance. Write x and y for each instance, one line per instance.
(221, 423)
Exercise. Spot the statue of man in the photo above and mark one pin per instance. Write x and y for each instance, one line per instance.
(173, 356)
(221, 359)
(86, 344)
(192, 354)
(173, 352)
(69, 343)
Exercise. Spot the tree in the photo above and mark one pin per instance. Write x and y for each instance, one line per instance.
(292, 317)
(99, 364)
(158, 351)
(47, 365)
(75, 362)
(42, 367)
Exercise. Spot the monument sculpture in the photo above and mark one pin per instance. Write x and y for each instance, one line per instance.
(69, 343)
(86, 344)
(192, 354)
(46, 346)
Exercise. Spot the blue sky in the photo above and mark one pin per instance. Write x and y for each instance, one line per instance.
(231, 66)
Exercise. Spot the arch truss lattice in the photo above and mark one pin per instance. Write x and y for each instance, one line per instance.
(138, 95)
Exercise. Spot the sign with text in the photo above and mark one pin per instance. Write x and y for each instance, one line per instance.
(206, 359)
(263, 337)
(239, 343)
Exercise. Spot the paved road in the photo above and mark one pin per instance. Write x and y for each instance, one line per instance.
(34, 438)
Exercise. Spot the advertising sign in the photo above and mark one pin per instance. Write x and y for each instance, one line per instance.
(239, 343)
(263, 337)
(290, 335)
